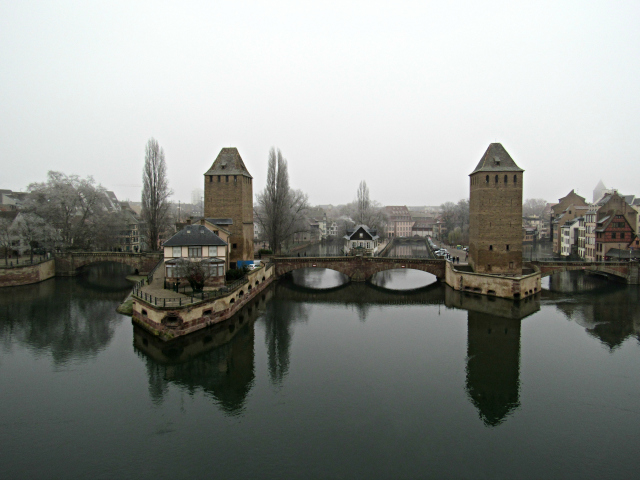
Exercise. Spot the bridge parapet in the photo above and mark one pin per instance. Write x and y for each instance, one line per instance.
(359, 269)
(627, 271)
(67, 264)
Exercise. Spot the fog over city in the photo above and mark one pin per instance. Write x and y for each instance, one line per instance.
(404, 95)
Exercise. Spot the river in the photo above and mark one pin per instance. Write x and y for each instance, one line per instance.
(402, 378)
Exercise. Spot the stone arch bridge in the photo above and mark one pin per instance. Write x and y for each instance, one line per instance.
(68, 264)
(359, 269)
(623, 271)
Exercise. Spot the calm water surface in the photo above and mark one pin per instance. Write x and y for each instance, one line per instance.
(335, 381)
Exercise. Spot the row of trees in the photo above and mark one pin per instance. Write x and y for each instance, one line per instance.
(282, 211)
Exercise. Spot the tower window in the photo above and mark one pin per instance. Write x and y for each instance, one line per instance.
(505, 179)
(210, 178)
(235, 179)
(487, 178)
(218, 178)
(226, 178)
(490, 247)
(496, 178)
(507, 248)
(515, 179)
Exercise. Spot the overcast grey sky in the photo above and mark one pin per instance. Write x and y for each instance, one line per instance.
(405, 95)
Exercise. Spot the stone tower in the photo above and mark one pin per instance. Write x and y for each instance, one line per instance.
(495, 214)
(228, 193)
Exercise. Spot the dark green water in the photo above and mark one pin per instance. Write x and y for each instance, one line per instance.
(349, 382)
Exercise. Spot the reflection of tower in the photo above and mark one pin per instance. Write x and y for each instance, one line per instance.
(228, 193)
(495, 214)
(493, 365)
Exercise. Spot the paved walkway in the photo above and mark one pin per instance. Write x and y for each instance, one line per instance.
(156, 288)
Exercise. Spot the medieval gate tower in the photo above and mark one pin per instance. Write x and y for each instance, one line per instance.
(228, 193)
(495, 214)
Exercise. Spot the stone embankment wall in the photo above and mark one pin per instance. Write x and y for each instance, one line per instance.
(171, 322)
(27, 274)
(515, 287)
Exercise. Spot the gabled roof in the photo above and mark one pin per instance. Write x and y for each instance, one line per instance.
(371, 232)
(496, 159)
(228, 162)
(194, 235)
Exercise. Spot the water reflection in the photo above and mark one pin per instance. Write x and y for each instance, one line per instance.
(414, 249)
(318, 278)
(608, 311)
(218, 360)
(66, 318)
(326, 248)
(493, 365)
(403, 279)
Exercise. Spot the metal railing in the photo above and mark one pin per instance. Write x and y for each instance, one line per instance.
(190, 297)
(17, 262)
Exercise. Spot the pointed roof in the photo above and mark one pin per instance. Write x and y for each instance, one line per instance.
(600, 186)
(496, 159)
(228, 162)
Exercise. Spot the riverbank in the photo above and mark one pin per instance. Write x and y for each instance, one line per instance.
(16, 275)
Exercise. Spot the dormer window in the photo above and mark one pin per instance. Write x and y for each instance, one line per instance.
(496, 160)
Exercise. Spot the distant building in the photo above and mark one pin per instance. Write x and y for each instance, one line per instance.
(399, 222)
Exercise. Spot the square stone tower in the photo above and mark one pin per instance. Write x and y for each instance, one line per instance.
(228, 193)
(495, 214)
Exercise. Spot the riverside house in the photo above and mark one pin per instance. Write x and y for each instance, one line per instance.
(196, 243)
(361, 240)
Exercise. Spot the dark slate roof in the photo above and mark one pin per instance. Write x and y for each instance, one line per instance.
(228, 162)
(193, 235)
(220, 221)
(496, 159)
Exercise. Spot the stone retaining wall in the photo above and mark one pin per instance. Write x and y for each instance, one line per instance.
(516, 287)
(171, 322)
(27, 274)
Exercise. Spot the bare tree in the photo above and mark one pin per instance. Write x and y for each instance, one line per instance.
(364, 210)
(155, 193)
(6, 233)
(533, 206)
(448, 215)
(363, 203)
(280, 210)
(32, 230)
(195, 272)
(70, 204)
